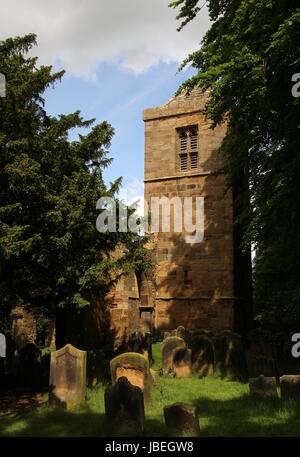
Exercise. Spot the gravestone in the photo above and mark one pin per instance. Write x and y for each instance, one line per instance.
(67, 377)
(166, 335)
(290, 386)
(181, 420)
(182, 365)
(230, 357)
(141, 342)
(262, 354)
(134, 367)
(183, 333)
(124, 407)
(169, 344)
(263, 387)
(202, 355)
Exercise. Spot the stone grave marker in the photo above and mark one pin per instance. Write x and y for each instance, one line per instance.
(230, 357)
(183, 333)
(169, 344)
(181, 420)
(263, 386)
(182, 365)
(67, 377)
(290, 386)
(124, 407)
(134, 367)
(202, 355)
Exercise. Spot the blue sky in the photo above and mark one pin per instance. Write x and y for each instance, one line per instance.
(119, 96)
(120, 58)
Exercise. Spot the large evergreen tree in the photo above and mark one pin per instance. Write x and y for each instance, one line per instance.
(247, 59)
(51, 254)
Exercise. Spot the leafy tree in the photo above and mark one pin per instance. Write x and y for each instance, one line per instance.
(51, 254)
(247, 60)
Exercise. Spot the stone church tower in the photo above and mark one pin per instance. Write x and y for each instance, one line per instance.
(205, 284)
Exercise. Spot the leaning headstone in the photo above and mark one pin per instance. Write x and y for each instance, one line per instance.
(262, 353)
(263, 387)
(290, 386)
(124, 408)
(181, 420)
(169, 344)
(202, 355)
(135, 367)
(67, 376)
(230, 357)
(182, 365)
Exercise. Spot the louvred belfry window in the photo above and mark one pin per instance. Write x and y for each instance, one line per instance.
(183, 154)
(188, 145)
(193, 149)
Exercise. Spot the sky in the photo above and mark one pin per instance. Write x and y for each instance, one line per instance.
(120, 57)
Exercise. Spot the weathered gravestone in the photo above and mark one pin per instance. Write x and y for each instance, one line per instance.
(263, 387)
(141, 342)
(67, 376)
(182, 365)
(262, 354)
(134, 367)
(290, 386)
(169, 344)
(181, 420)
(167, 335)
(124, 407)
(230, 358)
(202, 355)
(183, 333)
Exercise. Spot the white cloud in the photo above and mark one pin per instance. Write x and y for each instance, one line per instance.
(81, 34)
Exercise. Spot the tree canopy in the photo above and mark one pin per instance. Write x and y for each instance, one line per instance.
(247, 60)
(51, 254)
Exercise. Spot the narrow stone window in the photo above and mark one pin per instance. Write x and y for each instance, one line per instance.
(188, 148)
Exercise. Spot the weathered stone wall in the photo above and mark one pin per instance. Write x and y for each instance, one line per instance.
(194, 282)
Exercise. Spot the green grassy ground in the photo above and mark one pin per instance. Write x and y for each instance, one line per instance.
(225, 409)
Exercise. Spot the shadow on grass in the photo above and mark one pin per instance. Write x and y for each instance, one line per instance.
(248, 416)
(48, 421)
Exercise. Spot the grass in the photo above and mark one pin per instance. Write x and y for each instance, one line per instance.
(225, 409)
